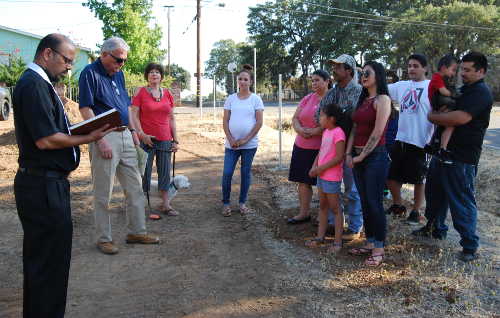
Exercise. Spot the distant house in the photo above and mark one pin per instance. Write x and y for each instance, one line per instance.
(23, 44)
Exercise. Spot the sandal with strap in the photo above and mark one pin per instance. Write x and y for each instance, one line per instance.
(315, 242)
(374, 260)
(226, 211)
(360, 251)
(244, 209)
(170, 212)
(335, 248)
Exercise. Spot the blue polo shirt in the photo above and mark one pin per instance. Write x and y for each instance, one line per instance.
(102, 92)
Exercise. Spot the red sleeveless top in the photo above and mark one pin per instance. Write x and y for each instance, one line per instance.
(364, 118)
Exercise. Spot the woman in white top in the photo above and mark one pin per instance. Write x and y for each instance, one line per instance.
(243, 116)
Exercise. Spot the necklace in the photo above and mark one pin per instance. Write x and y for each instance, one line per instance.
(150, 90)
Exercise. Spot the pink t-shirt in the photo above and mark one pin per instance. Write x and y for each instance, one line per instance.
(308, 105)
(155, 116)
(328, 151)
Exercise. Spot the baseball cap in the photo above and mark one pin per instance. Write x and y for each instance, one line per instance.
(344, 59)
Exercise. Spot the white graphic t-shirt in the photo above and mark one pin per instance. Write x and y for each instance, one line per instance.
(413, 127)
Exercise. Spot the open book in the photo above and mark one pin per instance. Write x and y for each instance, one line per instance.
(111, 117)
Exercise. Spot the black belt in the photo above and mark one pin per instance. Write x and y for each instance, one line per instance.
(39, 172)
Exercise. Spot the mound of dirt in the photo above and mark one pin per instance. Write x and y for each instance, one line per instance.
(72, 111)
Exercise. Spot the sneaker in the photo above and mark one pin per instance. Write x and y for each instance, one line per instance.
(424, 231)
(396, 209)
(107, 248)
(466, 256)
(414, 217)
(445, 156)
(142, 239)
(349, 235)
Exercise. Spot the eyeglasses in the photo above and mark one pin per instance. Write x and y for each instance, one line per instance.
(67, 60)
(366, 73)
(118, 60)
(115, 87)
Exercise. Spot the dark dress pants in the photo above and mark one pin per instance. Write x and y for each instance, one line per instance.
(43, 206)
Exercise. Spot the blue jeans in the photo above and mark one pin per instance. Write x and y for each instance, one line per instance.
(353, 210)
(230, 159)
(370, 176)
(452, 186)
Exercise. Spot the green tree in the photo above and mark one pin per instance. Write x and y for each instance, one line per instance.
(10, 72)
(222, 53)
(132, 21)
(181, 76)
(435, 41)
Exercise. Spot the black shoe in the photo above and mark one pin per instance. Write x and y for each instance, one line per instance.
(467, 256)
(424, 231)
(294, 221)
(413, 218)
(396, 209)
(445, 156)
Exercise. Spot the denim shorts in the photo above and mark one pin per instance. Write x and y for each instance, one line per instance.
(328, 186)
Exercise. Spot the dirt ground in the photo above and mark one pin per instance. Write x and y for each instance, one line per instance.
(252, 266)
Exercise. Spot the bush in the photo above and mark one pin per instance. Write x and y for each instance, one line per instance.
(11, 72)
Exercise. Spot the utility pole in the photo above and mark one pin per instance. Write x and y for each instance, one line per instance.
(198, 57)
(168, 33)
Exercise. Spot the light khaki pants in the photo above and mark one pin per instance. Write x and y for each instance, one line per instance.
(123, 164)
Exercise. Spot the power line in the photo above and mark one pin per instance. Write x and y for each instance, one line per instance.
(378, 20)
(392, 19)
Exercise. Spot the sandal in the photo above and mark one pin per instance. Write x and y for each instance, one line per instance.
(244, 209)
(226, 211)
(360, 251)
(154, 216)
(315, 242)
(335, 248)
(374, 260)
(170, 212)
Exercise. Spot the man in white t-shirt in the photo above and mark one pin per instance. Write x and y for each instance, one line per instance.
(409, 161)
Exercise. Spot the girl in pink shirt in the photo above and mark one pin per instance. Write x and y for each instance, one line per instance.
(327, 168)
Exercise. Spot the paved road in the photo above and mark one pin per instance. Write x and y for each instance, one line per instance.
(492, 138)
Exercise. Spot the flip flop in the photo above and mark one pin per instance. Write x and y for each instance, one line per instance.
(154, 216)
(374, 260)
(170, 212)
(359, 251)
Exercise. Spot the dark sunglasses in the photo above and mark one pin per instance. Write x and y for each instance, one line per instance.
(67, 60)
(118, 59)
(366, 73)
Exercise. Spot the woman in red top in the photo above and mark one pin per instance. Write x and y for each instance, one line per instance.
(153, 114)
(367, 155)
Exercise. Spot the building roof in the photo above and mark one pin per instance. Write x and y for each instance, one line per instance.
(36, 36)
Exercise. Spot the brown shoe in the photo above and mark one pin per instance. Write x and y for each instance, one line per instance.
(142, 239)
(107, 248)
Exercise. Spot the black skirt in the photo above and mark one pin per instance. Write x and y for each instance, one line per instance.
(301, 163)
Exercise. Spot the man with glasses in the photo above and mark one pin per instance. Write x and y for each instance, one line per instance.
(47, 155)
(346, 93)
(102, 87)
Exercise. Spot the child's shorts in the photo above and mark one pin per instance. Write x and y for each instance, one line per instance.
(326, 186)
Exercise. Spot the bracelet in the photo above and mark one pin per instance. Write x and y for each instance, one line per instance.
(175, 141)
(348, 154)
(131, 130)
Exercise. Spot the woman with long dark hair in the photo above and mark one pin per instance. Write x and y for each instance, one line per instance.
(367, 154)
(307, 144)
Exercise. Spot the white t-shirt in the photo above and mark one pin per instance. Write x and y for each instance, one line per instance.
(242, 118)
(413, 126)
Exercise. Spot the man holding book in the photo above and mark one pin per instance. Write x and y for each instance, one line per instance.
(47, 155)
(102, 88)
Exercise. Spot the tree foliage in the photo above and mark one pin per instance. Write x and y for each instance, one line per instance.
(12, 71)
(223, 53)
(300, 35)
(131, 20)
(181, 76)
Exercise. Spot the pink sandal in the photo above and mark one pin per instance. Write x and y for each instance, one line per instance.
(374, 260)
